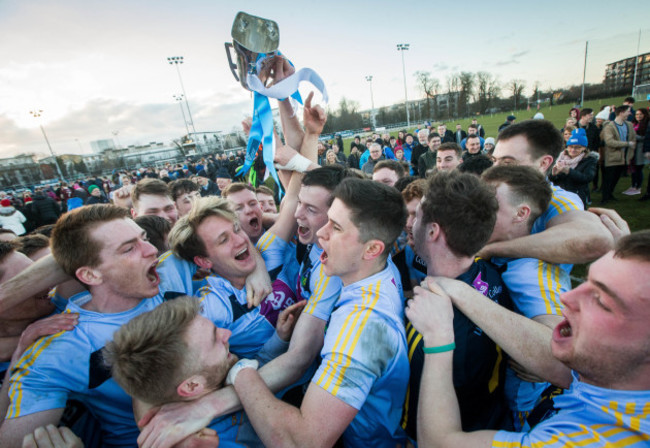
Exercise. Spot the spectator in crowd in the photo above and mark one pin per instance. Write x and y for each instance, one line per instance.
(639, 160)
(448, 157)
(574, 113)
(481, 131)
(471, 130)
(601, 119)
(473, 145)
(488, 148)
(418, 150)
(10, 218)
(331, 159)
(266, 198)
(399, 155)
(356, 143)
(207, 187)
(427, 160)
(460, 134)
(619, 140)
(44, 209)
(376, 156)
(510, 119)
(96, 196)
(339, 154)
(388, 172)
(407, 147)
(629, 101)
(445, 134)
(224, 178)
(567, 131)
(184, 192)
(353, 158)
(575, 167)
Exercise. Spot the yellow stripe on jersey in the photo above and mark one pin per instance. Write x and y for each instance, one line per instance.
(412, 348)
(203, 293)
(321, 286)
(164, 256)
(548, 278)
(562, 204)
(22, 369)
(266, 240)
(494, 379)
(635, 422)
(348, 338)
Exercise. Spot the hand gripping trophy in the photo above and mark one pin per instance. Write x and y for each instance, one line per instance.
(255, 45)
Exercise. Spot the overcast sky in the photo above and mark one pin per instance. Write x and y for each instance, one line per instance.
(95, 68)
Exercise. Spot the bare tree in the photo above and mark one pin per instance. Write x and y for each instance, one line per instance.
(466, 80)
(453, 87)
(516, 86)
(430, 87)
(487, 90)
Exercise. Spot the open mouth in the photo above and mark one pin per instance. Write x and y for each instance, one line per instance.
(302, 230)
(324, 257)
(242, 254)
(563, 329)
(254, 223)
(152, 274)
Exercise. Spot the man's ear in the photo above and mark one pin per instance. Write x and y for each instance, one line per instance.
(545, 163)
(89, 276)
(374, 248)
(192, 387)
(203, 262)
(433, 231)
(523, 213)
(134, 214)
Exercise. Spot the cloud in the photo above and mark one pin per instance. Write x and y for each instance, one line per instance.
(513, 59)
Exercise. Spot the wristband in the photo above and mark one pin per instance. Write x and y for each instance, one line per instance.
(298, 163)
(241, 364)
(440, 348)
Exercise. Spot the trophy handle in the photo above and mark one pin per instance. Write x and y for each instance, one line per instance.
(233, 66)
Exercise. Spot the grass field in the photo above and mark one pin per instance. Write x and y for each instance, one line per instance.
(636, 213)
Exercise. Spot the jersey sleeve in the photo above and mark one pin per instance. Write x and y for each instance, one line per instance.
(562, 201)
(214, 301)
(354, 356)
(275, 252)
(175, 274)
(44, 377)
(326, 292)
(535, 286)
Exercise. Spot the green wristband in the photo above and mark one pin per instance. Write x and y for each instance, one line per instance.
(440, 348)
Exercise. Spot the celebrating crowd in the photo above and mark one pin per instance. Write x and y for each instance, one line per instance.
(414, 293)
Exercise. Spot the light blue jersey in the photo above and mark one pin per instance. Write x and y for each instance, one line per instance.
(562, 201)
(588, 416)
(70, 364)
(535, 287)
(226, 305)
(320, 291)
(364, 359)
(176, 276)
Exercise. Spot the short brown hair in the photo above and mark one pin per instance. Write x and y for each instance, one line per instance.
(236, 187)
(542, 136)
(154, 187)
(526, 185)
(414, 190)
(148, 355)
(464, 207)
(635, 246)
(183, 238)
(30, 244)
(451, 147)
(180, 187)
(157, 229)
(263, 189)
(392, 165)
(6, 249)
(72, 245)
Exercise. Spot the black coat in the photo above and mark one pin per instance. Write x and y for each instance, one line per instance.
(45, 210)
(578, 179)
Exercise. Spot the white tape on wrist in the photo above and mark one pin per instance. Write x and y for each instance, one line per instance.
(241, 364)
(298, 163)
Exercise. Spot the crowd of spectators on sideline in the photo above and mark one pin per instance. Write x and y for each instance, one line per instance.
(414, 292)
